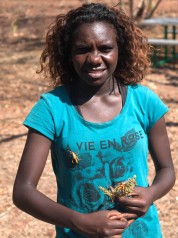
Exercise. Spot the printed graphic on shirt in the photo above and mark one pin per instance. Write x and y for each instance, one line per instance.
(130, 139)
(91, 168)
(127, 143)
(137, 229)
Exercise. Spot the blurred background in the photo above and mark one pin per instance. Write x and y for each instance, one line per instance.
(23, 25)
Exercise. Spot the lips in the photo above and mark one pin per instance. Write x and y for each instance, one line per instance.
(95, 73)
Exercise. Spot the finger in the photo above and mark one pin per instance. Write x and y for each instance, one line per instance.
(113, 213)
(120, 223)
(129, 216)
(119, 218)
(117, 236)
(115, 233)
(115, 217)
(133, 195)
(138, 211)
(130, 222)
(133, 202)
(138, 192)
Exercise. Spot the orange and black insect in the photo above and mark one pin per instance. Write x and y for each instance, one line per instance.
(75, 159)
(121, 189)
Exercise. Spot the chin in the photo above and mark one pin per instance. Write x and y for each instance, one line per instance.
(95, 81)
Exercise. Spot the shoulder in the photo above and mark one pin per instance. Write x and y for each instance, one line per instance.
(57, 93)
(140, 89)
(55, 97)
(145, 99)
(47, 114)
(142, 93)
(147, 104)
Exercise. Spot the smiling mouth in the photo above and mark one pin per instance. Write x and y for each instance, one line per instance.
(95, 73)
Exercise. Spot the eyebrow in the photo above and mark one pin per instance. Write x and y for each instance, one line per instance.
(80, 44)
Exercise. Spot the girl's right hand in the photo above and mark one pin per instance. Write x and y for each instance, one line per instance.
(100, 224)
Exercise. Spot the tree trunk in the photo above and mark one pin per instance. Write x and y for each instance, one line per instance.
(140, 10)
(151, 12)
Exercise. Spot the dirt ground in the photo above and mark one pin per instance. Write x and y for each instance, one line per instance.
(23, 26)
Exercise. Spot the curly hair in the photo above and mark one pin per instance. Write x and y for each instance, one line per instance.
(133, 60)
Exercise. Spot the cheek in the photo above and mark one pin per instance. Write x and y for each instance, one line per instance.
(112, 60)
(115, 59)
(77, 61)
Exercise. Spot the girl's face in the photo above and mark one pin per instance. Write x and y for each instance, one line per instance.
(94, 52)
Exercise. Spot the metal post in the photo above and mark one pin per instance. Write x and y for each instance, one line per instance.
(174, 37)
(165, 37)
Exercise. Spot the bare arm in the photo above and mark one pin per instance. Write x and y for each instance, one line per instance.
(29, 199)
(160, 152)
(25, 194)
(164, 179)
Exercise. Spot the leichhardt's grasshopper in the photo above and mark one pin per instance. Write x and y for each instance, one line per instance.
(121, 189)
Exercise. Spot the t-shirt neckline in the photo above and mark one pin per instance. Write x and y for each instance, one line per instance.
(97, 124)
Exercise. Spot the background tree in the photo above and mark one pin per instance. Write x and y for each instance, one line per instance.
(139, 9)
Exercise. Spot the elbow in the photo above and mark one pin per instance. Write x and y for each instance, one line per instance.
(19, 196)
(16, 197)
(174, 177)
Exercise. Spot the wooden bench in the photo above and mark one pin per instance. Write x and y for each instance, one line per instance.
(166, 43)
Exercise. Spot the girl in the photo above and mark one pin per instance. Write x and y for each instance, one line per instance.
(99, 124)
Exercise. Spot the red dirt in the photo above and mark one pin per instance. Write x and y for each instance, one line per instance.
(23, 26)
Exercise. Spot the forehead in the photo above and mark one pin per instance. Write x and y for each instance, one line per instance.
(94, 31)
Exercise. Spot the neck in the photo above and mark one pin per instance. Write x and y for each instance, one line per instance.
(82, 90)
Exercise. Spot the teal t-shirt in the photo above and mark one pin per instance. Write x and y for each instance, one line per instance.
(86, 155)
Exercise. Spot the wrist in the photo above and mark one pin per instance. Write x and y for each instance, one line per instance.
(78, 222)
(152, 193)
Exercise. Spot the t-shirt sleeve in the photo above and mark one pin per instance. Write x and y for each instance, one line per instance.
(40, 118)
(155, 108)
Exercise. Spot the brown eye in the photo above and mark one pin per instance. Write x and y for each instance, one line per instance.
(105, 48)
(82, 50)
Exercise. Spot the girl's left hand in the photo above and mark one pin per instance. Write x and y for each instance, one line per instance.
(138, 202)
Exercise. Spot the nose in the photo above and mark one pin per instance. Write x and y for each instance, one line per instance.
(94, 58)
